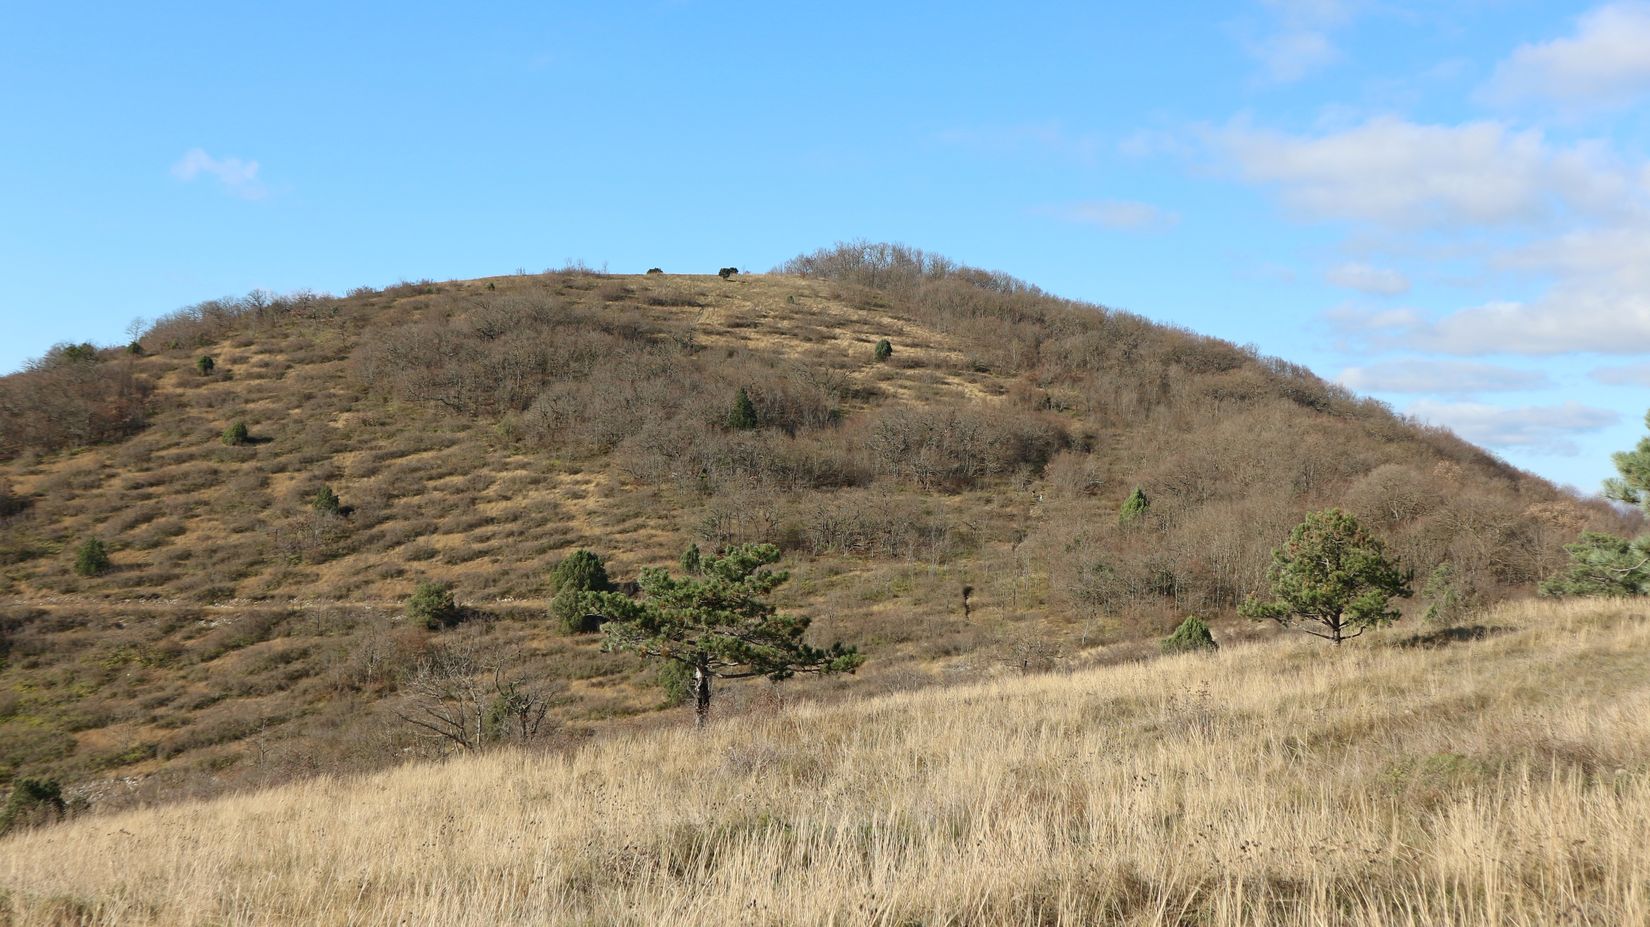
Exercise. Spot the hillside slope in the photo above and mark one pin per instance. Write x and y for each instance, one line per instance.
(478, 431)
(1492, 775)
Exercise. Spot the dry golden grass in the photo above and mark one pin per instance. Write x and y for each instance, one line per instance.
(1496, 781)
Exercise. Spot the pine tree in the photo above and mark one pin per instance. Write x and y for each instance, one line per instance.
(743, 414)
(1134, 507)
(236, 435)
(91, 558)
(884, 350)
(1192, 635)
(581, 572)
(1332, 573)
(326, 501)
(205, 364)
(719, 624)
(1604, 564)
(692, 559)
(433, 606)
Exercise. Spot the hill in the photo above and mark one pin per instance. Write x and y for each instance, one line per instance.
(476, 432)
(1498, 774)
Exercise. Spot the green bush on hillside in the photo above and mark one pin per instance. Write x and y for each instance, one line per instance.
(1134, 507)
(1192, 636)
(432, 604)
(583, 571)
(91, 558)
(32, 802)
(743, 414)
(237, 435)
(326, 501)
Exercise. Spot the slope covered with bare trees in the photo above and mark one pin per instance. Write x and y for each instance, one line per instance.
(264, 516)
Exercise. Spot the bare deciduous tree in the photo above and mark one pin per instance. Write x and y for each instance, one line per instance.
(466, 699)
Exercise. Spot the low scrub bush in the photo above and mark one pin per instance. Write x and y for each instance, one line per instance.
(1191, 637)
(91, 558)
(432, 605)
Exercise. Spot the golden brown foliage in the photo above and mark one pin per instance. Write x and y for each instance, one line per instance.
(1491, 775)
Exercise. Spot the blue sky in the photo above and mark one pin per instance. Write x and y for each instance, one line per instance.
(1446, 206)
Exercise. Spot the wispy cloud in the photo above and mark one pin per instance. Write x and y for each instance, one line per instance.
(1297, 40)
(1292, 54)
(1441, 377)
(1536, 429)
(235, 175)
(1365, 278)
(1123, 215)
(1605, 63)
(1569, 319)
(1624, 375)
(1394, 172)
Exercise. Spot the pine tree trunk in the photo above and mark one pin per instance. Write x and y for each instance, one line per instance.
(701, 696)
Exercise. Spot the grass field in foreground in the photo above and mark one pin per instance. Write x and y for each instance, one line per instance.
(1494, 777)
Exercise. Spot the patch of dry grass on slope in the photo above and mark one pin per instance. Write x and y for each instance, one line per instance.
(1503, 781)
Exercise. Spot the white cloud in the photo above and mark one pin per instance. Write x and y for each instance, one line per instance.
(1605, 63)
(1445, 377)
(1326, 12)
(1411, 175)
(1570, 318)
(1125, 215)
(1626, 375)
(1298, 40)
(235, 175)
(1291, 55)
(1365, 278)
(1540, 429)
(1148, 143)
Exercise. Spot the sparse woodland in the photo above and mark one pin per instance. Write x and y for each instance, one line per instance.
(908, 429)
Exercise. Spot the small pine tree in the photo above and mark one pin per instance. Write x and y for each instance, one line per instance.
(719, 624)
(582, 571)
(655, 270)
(236, 435)
(91, 558)
(432, 604)
(743, 414)
(1134, 507)
(205, 364)
(1192, 636)
(79, 353)
(884, 350)
(691, 559)
(326, 501)
(135, 348)
(1332, 573)
(1603, 564)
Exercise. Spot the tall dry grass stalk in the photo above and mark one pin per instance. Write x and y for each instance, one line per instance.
(1498, 781)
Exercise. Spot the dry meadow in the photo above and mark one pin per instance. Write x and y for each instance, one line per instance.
(1494, 774)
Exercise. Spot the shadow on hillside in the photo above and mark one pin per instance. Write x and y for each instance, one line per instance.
(1445, 636)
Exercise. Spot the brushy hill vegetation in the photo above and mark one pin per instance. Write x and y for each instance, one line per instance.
(1492, 774)
(475, 433)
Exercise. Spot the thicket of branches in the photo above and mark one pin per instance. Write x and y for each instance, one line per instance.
(73, 396)
(1232, 448)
